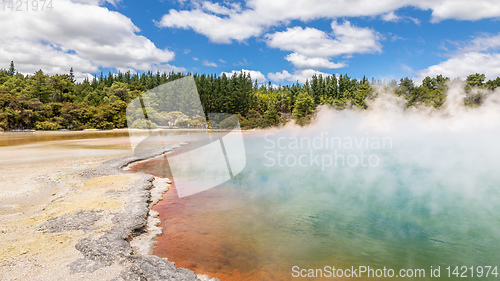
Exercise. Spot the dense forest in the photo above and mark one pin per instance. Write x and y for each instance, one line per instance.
(54, 102)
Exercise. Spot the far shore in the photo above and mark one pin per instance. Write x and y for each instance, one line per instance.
(10, 138)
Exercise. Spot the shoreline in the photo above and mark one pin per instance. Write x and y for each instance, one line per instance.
(144, 220)
(74, 219)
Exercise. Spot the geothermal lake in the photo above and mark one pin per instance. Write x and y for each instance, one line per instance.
(354, 189)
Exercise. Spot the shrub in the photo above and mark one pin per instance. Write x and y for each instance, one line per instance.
(47, 126)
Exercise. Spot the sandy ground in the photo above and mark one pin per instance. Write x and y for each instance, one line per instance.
(59, 202)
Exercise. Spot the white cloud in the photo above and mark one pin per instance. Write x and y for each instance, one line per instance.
(225, 23)
(414, 20)
(460, 9)
(30, 56)
(255, 75)
(221, 30)
(476, 56)
(209, 63)
(126, 69)
(347, 39)
(391, 16)
(195, 58)
(304, 62)
(312, 48)
(483, 43)
(281, 76)
(165, 67)
(79, 35)
(217, 8)
(462, 65)
(300, 75)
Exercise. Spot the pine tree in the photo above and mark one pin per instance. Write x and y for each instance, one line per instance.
(71, 76)
(315, 88)
(12, 69)
(304, 105)
(40, 86)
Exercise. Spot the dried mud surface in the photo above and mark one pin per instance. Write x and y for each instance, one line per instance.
(78, 218)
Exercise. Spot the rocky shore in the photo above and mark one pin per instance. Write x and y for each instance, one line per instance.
(82, 221)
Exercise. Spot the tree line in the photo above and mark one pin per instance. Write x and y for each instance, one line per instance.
(54, 102)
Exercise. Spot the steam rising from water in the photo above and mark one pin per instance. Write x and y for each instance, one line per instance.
(432, 196)
(430, 200)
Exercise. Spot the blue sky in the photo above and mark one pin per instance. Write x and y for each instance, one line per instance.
(279, 41)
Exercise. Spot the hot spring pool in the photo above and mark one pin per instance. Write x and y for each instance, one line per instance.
(428, 199)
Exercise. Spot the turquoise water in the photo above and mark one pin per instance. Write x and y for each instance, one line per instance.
(427, 204)
(428, 198)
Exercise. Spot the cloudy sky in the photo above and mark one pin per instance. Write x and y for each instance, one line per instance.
(281, 41)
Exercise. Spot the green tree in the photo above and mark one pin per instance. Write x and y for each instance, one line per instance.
(120, 90)
(71, 76)
(493, 84)
(475, 80)
(40, 86)
(406, 86)
(16, 85)
(3, 76)
(360, 94)
(474, 98)
(304, 105)
(59, 84)
(271, 117)
(12, 69)
(331, 86)
(254, 119)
